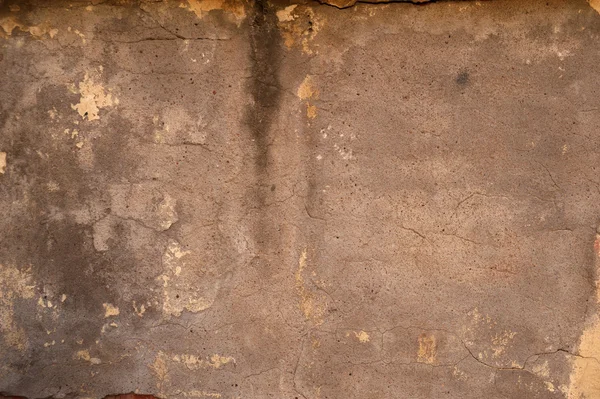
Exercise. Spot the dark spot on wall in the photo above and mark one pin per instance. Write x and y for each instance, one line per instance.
(462, 78)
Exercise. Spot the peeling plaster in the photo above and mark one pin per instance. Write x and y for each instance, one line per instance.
(362, 336)
(307, 91)
(93, 98)
(110, 310)
(202, 7)
(298, 26)
(193, 362)
(584, 381)
(9, 24)
(285, 15)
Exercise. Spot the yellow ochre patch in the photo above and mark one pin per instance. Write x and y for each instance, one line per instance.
(427, 349)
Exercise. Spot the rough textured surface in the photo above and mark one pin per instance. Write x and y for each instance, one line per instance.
(216, 199)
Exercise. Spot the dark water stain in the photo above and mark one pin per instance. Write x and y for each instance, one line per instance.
(264, 85)
(42, 190)
(260, 115)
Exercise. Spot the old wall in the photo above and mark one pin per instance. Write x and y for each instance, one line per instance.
(223, 199)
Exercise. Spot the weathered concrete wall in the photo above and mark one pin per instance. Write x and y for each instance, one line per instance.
(264, 200)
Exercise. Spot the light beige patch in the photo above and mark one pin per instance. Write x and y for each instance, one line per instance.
(311, 111)
(459, 374)
(584, 381)
(9, 24)
(595, 4)
(139, 311)
(300, 28)
(85, 355)
(345, 153)
(310, 306)
(78, 33)
(307, 89)
(2, 163)
(179, 290)
(44, 303)
(93, 98)
(286, 15)
(362, 336)
(193, 362)
(53, 113)
(541, 370)
(160, 370)
(585, 369)
(110, 310)
(427, 351)
(501, 341)
(40, 30)
(483, 325)
(202, 7)
(216, 361)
